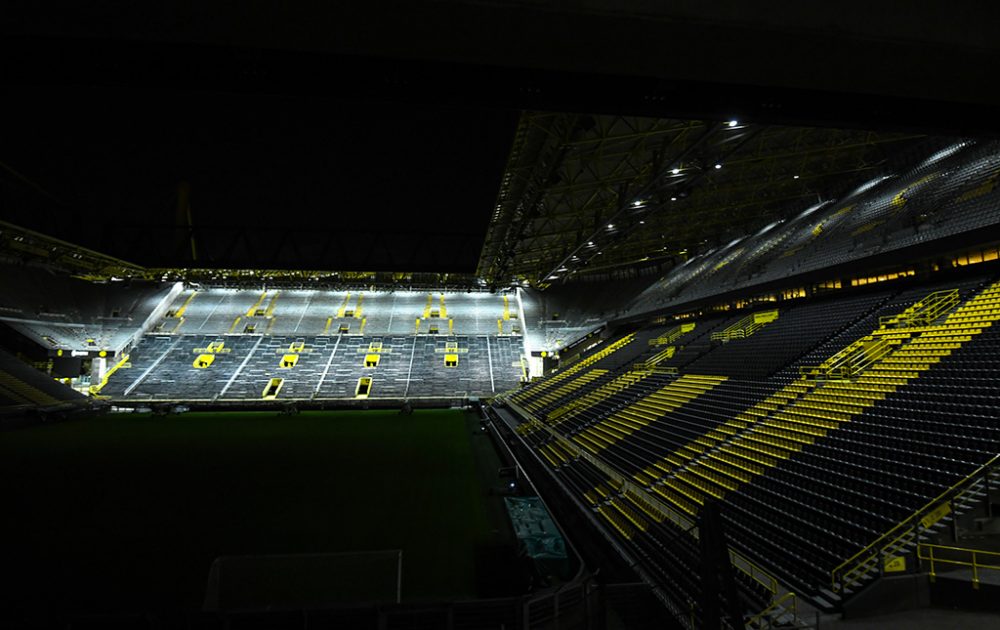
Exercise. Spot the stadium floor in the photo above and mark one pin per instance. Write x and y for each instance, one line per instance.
(127, 512)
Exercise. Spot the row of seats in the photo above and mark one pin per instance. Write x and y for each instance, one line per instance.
(809, 470)
(953, 191)
(325, 367)
(323, 312)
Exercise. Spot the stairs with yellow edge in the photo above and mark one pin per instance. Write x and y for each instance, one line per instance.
(524, 396)
(558, 394)
(22, 393)
(627, 513)
(806, 410)
(595, 396)
(644, 411)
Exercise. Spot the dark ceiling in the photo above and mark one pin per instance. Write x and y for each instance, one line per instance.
(273, 181)
(374, 136)
(586, 194)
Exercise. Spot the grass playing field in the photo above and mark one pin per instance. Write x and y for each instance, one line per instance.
(127, 512)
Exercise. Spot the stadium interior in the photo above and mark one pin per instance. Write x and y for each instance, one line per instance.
(475, 315)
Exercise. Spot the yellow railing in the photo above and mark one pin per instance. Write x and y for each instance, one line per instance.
(925, 311)
(861, 563)
(659, 357)
(851, 361)
(754, 572)
(746, 326)
(926, 552)
(96, 389)
(672, 335)
(787, 604)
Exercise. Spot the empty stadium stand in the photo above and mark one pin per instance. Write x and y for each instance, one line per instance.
(23, 387)
(829, 427)
(163, 367)
(951, 192)
(64, 313)
(830, 437)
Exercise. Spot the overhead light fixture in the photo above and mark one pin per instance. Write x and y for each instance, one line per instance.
(611, 226)
(673, 199)
(795, 177)
(675, 171)
(642, 223)
(637, 203)
(733, 123)
(590, 243)
(718, 165)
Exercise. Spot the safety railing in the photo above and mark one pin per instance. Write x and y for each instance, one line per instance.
(754, 572)
(780, 608)
(891, 544)
(852, 360)
(942, 554)
(96, 389)
(746, 326)
(659, 357)
(924, 311)
(672, 335)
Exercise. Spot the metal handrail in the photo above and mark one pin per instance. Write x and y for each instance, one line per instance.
(96, 389)
(925, 310)
(847, 568)
(976, 566)
(745, 327)
(778, 604)
(846, 363)
(672, 335)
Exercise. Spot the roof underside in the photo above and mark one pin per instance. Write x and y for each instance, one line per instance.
(583, 193)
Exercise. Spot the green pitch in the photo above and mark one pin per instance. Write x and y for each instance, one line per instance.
(128, 511)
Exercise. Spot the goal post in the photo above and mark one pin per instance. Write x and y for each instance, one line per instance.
(297, 581)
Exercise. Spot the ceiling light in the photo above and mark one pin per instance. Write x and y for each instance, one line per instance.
(673, 199)
(733, 123)
(718, 165)
(795, 177)
(590, 243)
(611, 226)
(675, 171)
(642, 223)
(636, 204)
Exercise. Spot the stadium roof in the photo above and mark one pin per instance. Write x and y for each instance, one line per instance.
(374, 137)
(584, 193)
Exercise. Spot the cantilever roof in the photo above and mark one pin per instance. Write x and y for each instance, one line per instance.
(582, 193)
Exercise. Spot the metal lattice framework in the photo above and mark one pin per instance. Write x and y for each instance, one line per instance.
(583, 193)
(20, 246)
